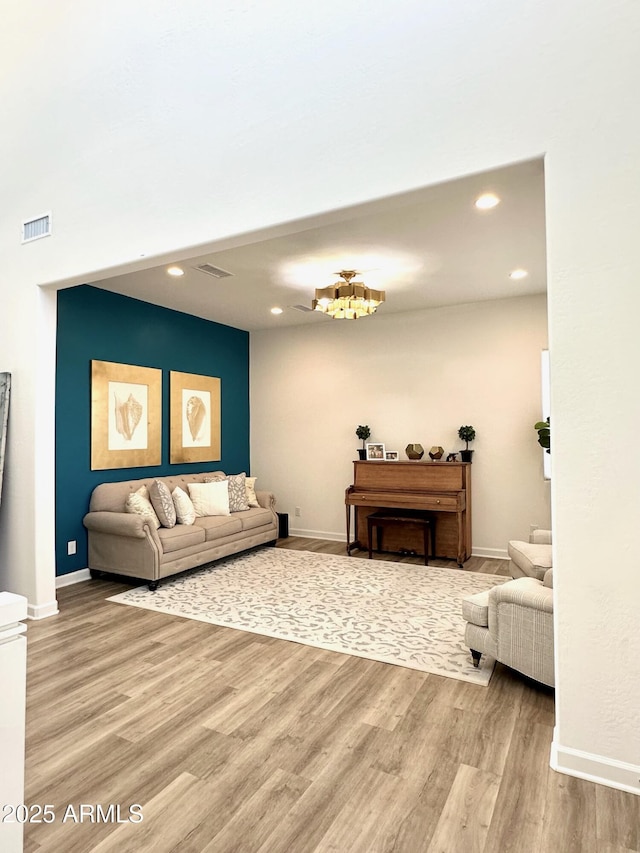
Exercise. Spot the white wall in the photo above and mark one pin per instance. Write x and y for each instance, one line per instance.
(412, 378)
(147, 126)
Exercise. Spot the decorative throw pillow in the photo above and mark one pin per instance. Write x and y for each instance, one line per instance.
(138, 504)
(216, 477)
(185, 512)
(162, 502)
(210, 498)
(250, 486)
(237, 492)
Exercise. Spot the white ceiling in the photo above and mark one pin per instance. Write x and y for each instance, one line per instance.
(427, 248)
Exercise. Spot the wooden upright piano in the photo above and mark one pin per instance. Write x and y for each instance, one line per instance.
(440, 488)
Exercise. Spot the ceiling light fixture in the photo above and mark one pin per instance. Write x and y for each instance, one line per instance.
(348, 300)
(519, 273)
(175, 271)
(486, 201)
(276, 310)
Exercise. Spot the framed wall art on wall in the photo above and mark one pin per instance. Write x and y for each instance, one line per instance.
(195, 418)
(126, 415)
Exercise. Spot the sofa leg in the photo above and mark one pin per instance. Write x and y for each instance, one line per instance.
(153, 586)
(476, 657)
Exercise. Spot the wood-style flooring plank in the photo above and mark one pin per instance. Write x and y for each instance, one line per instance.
(569, 815)
(519, 816)
(467, 813)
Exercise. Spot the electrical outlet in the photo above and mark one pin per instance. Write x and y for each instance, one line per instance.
(71, 547)
(298, 511)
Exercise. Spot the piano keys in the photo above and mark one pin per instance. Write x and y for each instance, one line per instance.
(441, 488)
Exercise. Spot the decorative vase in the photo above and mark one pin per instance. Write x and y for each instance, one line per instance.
(362, 453)
(436, 452)
(414, 451)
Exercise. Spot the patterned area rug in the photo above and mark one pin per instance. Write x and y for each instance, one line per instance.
(392, 612)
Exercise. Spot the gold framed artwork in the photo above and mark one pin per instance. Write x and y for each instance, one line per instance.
(126, 415)
(195, 418)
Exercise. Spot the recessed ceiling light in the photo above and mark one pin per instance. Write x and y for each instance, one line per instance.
(175, 271)
(516, 274)
(276, 310)
(486, 201)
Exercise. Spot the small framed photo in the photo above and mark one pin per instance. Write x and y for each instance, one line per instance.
(391, 455)
(375, 451)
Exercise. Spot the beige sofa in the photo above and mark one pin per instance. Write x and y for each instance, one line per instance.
(124, 543)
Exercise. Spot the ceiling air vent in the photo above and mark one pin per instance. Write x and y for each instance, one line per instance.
(34, 229)
(216, 272)
(300, 308)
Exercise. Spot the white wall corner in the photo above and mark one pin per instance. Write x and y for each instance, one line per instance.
(595, 768)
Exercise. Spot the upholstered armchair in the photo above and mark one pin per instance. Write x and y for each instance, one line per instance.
(513, 623)
(532, 558)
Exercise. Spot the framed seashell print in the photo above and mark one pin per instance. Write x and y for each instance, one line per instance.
(195, 418)
(126, 415)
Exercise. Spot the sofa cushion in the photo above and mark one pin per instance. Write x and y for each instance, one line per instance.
(475, 609)
(255, 518)
(185, 512)
(138, 504)
(532, 559)
(162, 502)
(180, 536)
(237, 492)
(210, 498)
(250, 485)
(218, 526)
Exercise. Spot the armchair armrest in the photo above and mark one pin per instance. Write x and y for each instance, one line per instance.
(118, 524)
(522, 592)
(521, 624)
(540, 537)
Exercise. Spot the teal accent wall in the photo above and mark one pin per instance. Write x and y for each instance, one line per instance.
(96, 324)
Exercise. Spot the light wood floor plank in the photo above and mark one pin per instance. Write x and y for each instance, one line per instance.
(465, 819)
(519, 817)
(617, 818)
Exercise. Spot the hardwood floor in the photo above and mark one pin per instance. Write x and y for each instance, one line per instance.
(235, 742)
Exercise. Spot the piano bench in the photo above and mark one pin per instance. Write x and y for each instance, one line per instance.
(393, 518)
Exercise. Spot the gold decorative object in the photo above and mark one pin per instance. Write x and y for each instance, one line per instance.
(348, 300)
(126, 415)
(195, 418)
(414, 451)
(436, 452)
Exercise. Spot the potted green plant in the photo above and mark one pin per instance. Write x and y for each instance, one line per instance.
(544, 434)
(467, 434)
(363, 433)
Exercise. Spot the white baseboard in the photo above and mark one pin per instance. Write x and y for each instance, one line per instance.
(317, 534)
(490, 553)
(595, 768)
(487, 553)
(42, 611)
(73, 577)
